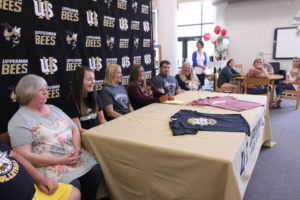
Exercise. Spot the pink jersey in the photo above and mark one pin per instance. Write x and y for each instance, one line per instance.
(225, 102)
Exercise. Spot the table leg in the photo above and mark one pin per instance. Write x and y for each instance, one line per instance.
(239, 86)
(272, 93)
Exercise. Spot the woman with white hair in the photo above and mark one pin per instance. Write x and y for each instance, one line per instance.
(50, 140)
(186, 79)
(113, 95)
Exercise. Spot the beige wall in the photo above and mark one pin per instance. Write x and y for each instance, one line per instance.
(251, 26)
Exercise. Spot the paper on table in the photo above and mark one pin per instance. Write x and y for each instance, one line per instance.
(175, 101)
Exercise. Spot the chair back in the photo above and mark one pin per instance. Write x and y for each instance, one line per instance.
(292, 94)
(239, 68)
(224, 89)
(257, 81)
(5, 138)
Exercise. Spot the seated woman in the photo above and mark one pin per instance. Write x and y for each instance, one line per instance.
(226, 74)
(140, 91)
(186, 78)
(291, 82)
(49, 139)
(114, 96)
(257, 71)
(83, 104)
(268, 67)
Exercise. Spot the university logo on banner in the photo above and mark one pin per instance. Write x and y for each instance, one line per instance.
(110, 41)
(11, 34)
(146, 26)
(135, 25)
(95, 63)
(45, 38)
(69, 14)
(53, 91)
(14, 66)
(93, 41)
(122, 4)
(108, 3)
(137, 60)
(147, 59)
(71, 39)
(92, 18)
(124, 43)
(110, 61)
(48, 65)
(123, 23)
(109, 21)
(11, 5)
(134, 6)
(43, 9)
(145, 9)
(73, 63)
(125, 61)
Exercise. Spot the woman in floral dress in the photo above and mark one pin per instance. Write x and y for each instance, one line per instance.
(49, 139)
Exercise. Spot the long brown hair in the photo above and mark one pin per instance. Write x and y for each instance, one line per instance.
(77, 91)
(134, 75)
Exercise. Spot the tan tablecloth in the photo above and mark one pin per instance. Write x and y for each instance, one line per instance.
(141, 159)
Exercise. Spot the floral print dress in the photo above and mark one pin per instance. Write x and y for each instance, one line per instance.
(51, 136)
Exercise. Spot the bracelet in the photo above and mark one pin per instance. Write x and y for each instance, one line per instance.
(79, 149)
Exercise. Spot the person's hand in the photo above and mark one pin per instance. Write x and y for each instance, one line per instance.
(70, 159)
(163, 98)
(171, 98)
(47, 185)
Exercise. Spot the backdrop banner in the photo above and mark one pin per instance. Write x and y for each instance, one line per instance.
(52, 38)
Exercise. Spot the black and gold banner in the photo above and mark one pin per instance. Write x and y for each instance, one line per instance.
(51, 38)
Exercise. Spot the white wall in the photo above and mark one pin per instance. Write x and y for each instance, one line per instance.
(251, 24)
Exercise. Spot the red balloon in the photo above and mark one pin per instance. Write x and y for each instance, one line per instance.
(223, 32)
(217, 29)
(214, 42)
(206, 36)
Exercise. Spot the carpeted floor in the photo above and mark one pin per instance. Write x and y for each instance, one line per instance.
(276, 175)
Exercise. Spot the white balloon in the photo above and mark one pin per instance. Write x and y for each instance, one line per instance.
(225, 42)
(213, 36)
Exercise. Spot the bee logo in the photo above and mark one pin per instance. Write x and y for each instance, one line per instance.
(110, 41)
(108, 2)
(71, 39)
(134, 7)
(11, 34)
(136, 43)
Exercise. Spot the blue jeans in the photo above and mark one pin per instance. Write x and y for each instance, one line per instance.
(88, 183)
(280, 87)
(258, 90)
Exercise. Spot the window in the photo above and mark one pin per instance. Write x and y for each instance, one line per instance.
(194, 19)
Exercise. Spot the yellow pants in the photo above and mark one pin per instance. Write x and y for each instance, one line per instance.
(62, 193)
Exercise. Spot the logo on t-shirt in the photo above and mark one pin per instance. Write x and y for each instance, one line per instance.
(8, 168)
(202, 121)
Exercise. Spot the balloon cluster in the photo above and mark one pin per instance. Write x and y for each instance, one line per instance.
(219, 39)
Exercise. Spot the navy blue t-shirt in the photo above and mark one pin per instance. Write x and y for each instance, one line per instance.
(88, 121)
(15, 182)
(190, 122)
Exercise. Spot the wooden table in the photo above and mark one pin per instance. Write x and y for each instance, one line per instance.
(272, 79)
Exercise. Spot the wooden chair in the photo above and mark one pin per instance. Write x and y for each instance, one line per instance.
(5, 138)
(258, 81)
(224, 89)
(292, 94)
(239, 68)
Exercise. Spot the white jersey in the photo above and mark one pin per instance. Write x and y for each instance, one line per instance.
(200, 61)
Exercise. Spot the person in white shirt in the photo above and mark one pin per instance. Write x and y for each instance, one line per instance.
(199, 62)
(291, 82)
